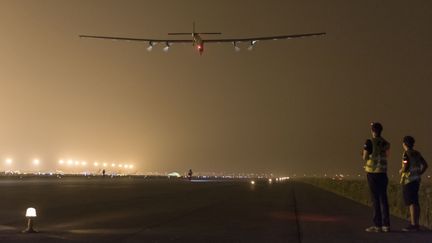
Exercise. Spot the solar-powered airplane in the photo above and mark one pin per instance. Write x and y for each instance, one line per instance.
(198, 42)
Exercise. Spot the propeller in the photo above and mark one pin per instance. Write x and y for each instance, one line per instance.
(167, 46)
(151, 44)
(252, 44)
(236, 48)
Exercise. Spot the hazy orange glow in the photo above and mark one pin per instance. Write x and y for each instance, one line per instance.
(297, 106)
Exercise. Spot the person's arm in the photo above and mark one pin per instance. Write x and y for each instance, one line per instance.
(405, 163)
(365, 155)
(387, 149)
(424, 165)
(367, 149)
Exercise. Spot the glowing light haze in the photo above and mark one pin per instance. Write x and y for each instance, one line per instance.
(288, 106)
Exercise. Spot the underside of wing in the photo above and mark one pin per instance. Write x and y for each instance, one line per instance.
(153, 41)
(264, 38)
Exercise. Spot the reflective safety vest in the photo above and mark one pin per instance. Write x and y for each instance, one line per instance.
(414, 160)
(377, 160)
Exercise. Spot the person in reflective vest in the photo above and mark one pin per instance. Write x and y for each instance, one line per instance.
(413, 166)
(375, 153)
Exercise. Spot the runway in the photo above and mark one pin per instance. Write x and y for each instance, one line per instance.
(95, 209)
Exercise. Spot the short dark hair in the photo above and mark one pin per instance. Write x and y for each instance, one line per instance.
(376, 128)
(409, 141)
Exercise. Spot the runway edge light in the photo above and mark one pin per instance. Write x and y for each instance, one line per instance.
(30, 215)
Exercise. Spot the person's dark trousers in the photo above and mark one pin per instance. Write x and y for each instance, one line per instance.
(378, 187)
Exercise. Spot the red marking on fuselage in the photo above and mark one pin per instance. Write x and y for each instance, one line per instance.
(198, 42)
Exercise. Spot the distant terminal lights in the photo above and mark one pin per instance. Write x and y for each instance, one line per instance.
(97, 164)
(9, 162)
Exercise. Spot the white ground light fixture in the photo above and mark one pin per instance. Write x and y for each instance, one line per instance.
(30, 215)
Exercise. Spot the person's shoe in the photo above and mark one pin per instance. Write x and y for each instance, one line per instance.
(385, 229)
(373, 229)
(411, 228)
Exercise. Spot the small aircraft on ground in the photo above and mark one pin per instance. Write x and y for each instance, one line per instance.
(198, 42)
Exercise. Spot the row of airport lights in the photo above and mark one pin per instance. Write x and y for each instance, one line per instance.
(70, 162)
(9, 161)
(270, 180)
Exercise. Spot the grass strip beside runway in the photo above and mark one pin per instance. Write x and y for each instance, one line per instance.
(358, 190)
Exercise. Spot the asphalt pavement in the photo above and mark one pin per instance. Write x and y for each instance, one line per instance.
(95, 209)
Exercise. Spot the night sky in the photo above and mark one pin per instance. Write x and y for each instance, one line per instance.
(289, 106)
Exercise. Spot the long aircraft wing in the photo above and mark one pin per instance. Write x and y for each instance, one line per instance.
(280, 37)
(137, 39)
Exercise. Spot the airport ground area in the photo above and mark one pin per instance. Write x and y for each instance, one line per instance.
(139, 209)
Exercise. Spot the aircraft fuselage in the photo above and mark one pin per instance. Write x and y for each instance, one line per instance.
(198, 42)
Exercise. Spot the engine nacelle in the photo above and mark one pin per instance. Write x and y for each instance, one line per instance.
(252, 44)
(151, 44)
(236, 48)
(167, 46)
